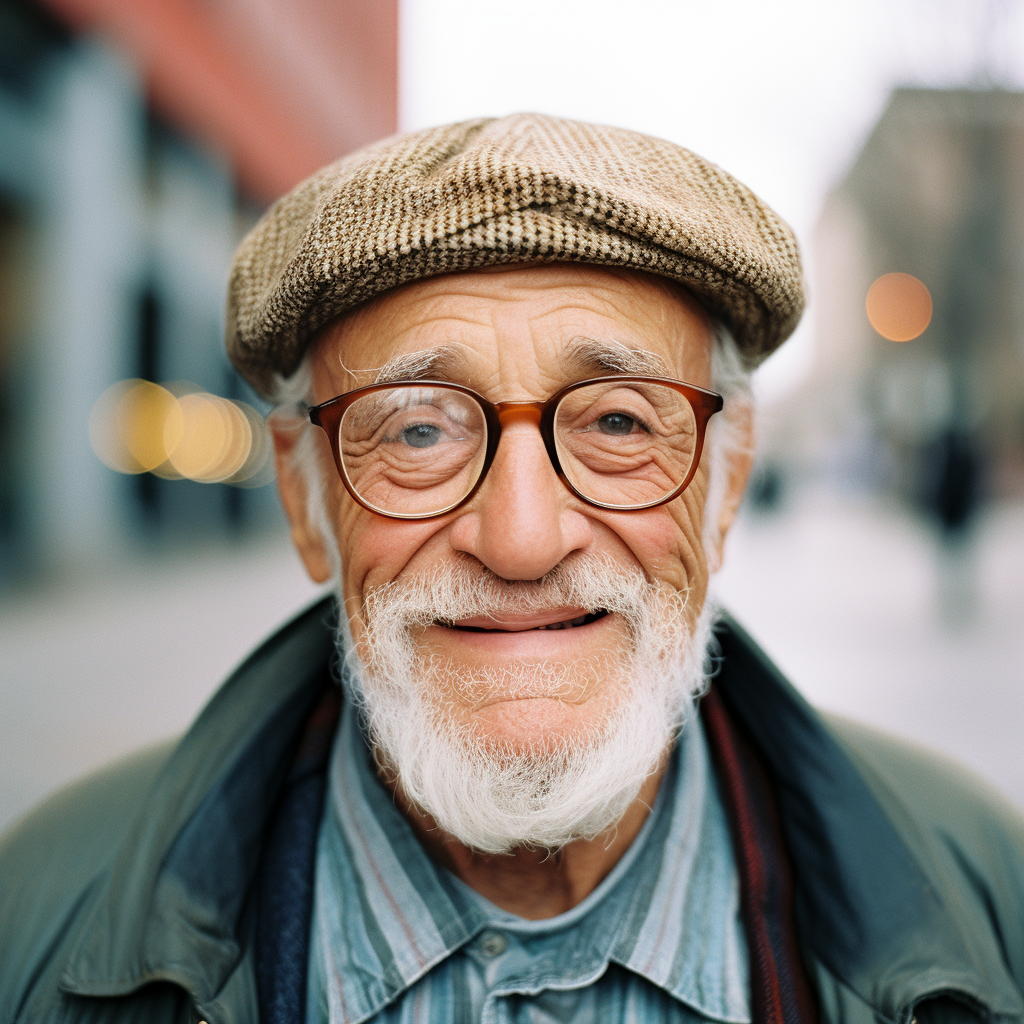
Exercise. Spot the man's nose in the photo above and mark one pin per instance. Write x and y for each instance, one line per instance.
(521, 523)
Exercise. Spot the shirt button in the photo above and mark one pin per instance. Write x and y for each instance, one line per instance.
(492, 944)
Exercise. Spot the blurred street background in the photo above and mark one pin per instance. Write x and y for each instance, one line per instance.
(880, 555)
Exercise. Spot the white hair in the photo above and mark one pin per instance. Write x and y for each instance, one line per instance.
(291, 396)
(728, 436)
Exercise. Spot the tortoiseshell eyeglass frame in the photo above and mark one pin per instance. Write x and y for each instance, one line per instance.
(704, 403)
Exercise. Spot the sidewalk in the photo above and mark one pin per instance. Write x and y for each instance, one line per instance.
(122, 660)
(845, 594)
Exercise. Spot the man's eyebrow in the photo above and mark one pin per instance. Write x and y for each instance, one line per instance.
(588, 356)
(446, 362)
(583, 358)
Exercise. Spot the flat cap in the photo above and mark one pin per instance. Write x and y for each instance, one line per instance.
(516, 189)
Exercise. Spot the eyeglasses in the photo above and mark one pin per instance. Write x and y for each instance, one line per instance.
(417, 449)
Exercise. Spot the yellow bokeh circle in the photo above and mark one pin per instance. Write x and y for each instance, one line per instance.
(131, 424)
(215, 438)
(179, 432)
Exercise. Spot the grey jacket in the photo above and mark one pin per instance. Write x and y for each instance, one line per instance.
(128, 896)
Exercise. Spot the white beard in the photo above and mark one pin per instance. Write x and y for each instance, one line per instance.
(493, 797)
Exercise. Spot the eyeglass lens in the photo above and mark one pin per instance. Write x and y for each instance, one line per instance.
(625, 445)
(419, 450)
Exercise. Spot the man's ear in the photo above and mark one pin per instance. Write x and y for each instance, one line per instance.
(739, 462)
(293, 486)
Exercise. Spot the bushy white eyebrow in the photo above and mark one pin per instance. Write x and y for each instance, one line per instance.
(421, 365)
(587, 355)
(582, 357)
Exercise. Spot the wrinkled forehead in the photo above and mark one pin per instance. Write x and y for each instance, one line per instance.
(525, 329)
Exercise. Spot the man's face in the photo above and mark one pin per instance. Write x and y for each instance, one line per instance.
(518, 334)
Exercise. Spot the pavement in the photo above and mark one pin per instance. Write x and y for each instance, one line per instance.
(129, 655)
(848, 595)
(870, 617)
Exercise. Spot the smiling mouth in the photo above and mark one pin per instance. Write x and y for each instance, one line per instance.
(580, 620)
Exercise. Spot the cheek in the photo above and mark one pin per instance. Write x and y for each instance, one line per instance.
(667, 541)
(375, 550)
(687, 517)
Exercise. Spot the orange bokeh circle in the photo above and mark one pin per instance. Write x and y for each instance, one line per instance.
(899, 306)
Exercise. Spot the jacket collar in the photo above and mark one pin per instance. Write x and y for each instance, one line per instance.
(865, 906)
(175, 905)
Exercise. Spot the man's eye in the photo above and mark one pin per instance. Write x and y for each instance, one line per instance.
(421, 435)
(616, 423)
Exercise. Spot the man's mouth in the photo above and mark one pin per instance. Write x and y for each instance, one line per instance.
(558, 619)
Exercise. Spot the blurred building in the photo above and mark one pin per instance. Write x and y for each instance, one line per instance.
(137, 144)
(937, 195)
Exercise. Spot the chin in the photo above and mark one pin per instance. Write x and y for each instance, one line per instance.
(537, 723)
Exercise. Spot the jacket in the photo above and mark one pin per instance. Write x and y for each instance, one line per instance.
(129, 896)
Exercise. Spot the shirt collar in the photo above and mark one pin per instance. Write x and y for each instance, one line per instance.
(385, 914)
(683, 930)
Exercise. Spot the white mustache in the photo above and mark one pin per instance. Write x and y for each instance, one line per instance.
(465, 588)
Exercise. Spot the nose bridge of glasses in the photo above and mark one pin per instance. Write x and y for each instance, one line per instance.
(510, 413)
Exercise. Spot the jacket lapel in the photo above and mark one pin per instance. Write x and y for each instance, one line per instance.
(176, 904)
(864, 905)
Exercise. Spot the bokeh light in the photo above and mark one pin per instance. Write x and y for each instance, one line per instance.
(131, 425)
(899, 306)
(179, 432)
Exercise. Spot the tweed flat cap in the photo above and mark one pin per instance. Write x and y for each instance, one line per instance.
(516, 189)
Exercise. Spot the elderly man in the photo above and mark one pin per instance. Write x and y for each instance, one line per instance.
(513, 428)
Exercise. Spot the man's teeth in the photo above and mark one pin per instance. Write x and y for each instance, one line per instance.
(581, 620)
(572, 622)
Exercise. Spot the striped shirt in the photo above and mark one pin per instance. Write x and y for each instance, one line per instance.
(396, 938)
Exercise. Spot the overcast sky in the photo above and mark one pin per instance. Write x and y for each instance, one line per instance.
(782, 93)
